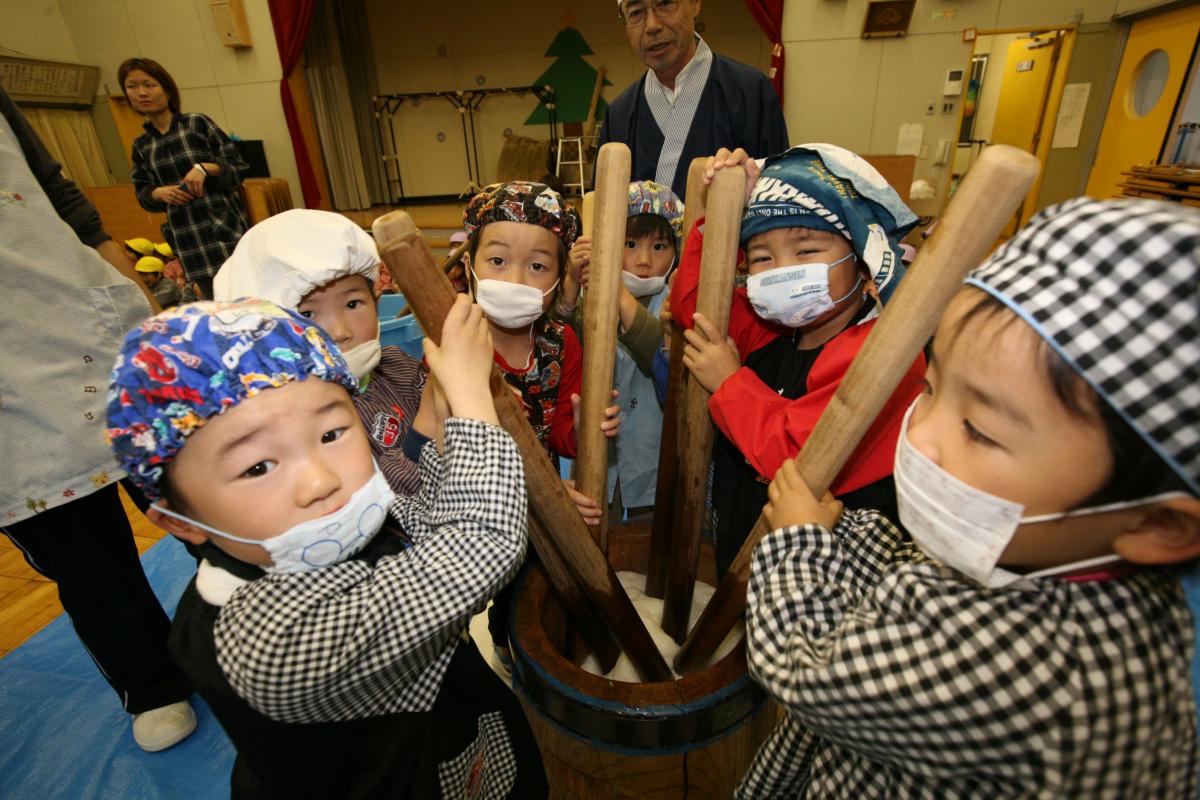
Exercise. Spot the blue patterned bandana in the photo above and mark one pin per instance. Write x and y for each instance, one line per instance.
(187, 364)
(648, 197)
(828, 188)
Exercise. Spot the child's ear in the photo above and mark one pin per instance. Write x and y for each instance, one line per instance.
(1169, 533)
(181, 530)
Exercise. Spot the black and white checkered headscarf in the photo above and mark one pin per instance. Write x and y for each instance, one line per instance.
(1114, 287)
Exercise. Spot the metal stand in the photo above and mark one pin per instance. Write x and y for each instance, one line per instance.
(467, 102)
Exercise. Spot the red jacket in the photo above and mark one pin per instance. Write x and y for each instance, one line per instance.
(767, 428)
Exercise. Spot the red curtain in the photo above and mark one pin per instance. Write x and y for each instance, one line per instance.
(769, 15)
(290, 19)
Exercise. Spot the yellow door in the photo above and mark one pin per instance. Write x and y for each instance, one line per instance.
(1028, 68)
(1153, 69)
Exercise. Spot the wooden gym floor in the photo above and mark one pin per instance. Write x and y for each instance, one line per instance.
(28, 601)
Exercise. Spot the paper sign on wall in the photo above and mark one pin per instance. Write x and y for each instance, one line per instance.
(1070, 115)
(909, 142)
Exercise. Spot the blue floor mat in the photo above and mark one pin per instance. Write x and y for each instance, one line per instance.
(66, 735)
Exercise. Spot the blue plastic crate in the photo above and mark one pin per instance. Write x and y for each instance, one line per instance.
(404, 333)
(390, 305)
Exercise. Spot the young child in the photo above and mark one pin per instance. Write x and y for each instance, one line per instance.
(150, 270)
(821, 233)
(324, 266)
(518, 237)
(335, 655)
(652, 235)
(1034, 641)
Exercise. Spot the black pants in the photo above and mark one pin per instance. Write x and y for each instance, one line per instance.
(86, 547)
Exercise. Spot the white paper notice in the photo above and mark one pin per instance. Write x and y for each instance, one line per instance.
(1070, 115)
(909, 143)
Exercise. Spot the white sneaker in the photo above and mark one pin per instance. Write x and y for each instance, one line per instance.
(159, 728)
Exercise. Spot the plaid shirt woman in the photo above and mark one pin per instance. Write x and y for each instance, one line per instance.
(202, 232)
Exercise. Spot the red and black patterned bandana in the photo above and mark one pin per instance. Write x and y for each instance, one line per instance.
(523, 201)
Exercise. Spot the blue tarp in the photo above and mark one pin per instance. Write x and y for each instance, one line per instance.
(65, 734)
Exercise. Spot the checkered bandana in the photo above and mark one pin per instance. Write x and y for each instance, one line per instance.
(192, 362)
(1114, 287)
(522, 201)
(648, 197)
(828, 188)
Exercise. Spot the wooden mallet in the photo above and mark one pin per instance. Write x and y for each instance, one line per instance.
(605, 222)
(723, 222)
(982, 206)
(668, 455)
(561, 538)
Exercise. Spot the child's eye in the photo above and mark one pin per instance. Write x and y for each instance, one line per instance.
(630, 244)
(353, 304)
(759, 259)
(259, 469)
(536, 267)
(305, 314)
(974, 435)
(332, 436)
(495, 261)
(660, 246)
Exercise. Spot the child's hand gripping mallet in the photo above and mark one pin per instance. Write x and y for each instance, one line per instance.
(575, 565)
(982, 206)
(604, 221)
(723, 220)
(668, 456)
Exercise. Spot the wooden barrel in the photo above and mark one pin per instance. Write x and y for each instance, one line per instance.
(602, 738)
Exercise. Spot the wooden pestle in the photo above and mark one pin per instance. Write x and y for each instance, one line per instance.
(561, 539)
(605, 223)
(668, 456)
(982, 206)
(723, 222)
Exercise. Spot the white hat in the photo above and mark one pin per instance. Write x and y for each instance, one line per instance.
(284, 257)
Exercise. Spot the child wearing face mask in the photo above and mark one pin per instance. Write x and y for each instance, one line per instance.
(652, 232)
(333, 650)
(324, 266)
(518, 237)
(821, 234)
(1031, 639)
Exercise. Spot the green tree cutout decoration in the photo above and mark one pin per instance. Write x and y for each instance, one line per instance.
(573, 80)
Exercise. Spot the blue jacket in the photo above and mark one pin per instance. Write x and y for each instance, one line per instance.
(738, 108)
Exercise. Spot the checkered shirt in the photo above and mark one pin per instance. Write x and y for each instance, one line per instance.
(354, 640)
(204, 231)
(901, 678)
(1114, 287)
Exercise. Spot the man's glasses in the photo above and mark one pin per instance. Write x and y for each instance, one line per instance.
(634, 13)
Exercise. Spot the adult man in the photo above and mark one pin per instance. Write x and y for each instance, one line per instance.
(691, 102)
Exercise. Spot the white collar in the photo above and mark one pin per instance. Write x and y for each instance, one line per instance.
(215, 585)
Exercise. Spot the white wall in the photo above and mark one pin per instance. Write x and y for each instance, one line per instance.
(857, 92)
(237, 88)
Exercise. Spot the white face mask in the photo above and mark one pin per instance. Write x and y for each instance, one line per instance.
(364, 358)
(643, 287)
(509, 305)
(323, 541)
(968, 529)
(795, 296)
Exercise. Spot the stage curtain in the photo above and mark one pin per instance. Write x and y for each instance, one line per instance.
(769, 15)
(290, 19)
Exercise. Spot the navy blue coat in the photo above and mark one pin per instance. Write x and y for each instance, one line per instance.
(738, 108)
